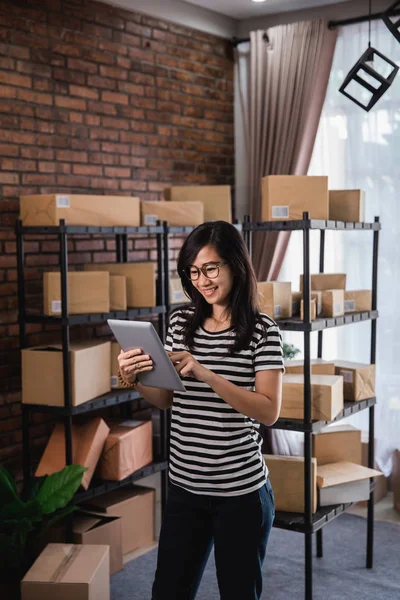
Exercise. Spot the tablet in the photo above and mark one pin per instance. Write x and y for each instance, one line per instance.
(141, 334)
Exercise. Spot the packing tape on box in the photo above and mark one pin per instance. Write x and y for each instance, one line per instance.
(70, 557)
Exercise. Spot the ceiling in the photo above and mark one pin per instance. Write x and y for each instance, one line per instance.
(245, 9)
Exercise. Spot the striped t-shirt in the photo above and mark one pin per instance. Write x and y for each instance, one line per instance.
(214, 449)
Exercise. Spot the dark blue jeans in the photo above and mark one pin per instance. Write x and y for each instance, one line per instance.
(238, 526)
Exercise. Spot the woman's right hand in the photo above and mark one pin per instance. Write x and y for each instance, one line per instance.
(132, 363)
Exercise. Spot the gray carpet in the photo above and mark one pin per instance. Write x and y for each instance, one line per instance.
(340, 574)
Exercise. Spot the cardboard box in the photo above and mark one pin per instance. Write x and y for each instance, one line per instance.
(128, 448)
(313, 310)
(286, 474)
(275, 299)
(43, 376)
(118, 300)
(215, 198)
(286, 197)
(347, 205)
(87, 292)
(65, 571)
(381, 485)
(176, 293)
(326, 281)
(357, 300)
(326, 397)
(136, 507)
(87, 444)
(334, 444)
(359, 379)
(296, 300)
(395, 480)
(343, 482)
(178, 214)
(140, 281)
(115, 350)
(99, 530)
(78, 209)
(332, 303)
(318, 366)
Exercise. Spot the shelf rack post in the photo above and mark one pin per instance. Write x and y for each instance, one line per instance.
(63, 237)
(371, 429)
(307, 411)
(320, 549)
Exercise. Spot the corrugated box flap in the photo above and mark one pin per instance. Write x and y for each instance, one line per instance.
(343, 472)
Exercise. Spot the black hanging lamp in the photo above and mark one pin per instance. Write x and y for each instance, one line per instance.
(363, 76)
(393, 26)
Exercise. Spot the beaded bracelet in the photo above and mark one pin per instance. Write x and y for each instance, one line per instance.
(125, 383)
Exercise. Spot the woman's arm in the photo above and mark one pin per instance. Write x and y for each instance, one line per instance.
(156, 396)
(264, 404)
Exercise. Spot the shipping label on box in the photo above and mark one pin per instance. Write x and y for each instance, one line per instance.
(88, 293)
(326, 281)
(347, 205)
(334, 444)
(286, 197)
(357, 300)
(78, 209)
(176, 292)
(332, 303)
(140, 281)
(215, 198)
(275, 299)
(43, 375)
(87, 444)
(359, 379)
(178, 214)
(286, 474)
(118, 299)
(326, 397)
(69, 571)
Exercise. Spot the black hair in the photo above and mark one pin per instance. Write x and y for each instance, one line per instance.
(243, 304)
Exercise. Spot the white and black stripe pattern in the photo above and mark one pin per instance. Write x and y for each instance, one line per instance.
(214, 449)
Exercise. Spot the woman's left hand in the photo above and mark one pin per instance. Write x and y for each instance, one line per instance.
(187, 366)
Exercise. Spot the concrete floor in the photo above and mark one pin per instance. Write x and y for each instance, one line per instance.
(384, 511)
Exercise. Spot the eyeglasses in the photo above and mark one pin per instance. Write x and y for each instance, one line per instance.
(209, 270)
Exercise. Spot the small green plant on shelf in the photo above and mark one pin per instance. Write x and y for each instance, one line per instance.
(23, 521)
(290, 351)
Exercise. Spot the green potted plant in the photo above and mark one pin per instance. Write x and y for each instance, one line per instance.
(289, 351)
(22, 521)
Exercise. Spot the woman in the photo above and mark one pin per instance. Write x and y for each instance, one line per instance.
(229, 357)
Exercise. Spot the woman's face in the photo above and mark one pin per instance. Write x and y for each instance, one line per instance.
(216, 290)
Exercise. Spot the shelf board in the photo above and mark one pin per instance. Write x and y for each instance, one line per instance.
(113, 398)
(99, 487)
(350, 408)
(310, 224)
(181, 230)
(326, 322)
(89, 229)
(96, 317)
(323, 516)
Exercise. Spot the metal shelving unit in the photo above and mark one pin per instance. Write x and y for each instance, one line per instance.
(307, 523)
(118, 397)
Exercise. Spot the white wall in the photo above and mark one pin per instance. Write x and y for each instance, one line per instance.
(334, 12)
(183, 14)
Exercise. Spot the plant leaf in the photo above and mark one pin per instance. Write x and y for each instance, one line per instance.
(19, 510)
(8, 489)
(58, 489)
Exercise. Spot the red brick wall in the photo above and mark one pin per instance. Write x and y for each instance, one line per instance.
(97, 99)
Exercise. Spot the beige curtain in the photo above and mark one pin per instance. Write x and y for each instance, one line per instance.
(281, 102)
